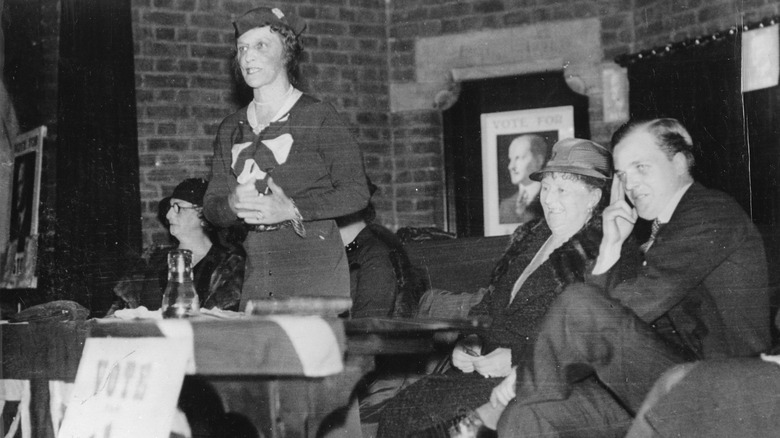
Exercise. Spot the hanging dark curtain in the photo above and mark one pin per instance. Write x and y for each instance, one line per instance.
(762, 111)
(700, 86)
(98, 203)
(738, 132)
(21, 70)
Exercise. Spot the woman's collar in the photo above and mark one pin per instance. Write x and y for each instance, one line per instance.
(290, 100)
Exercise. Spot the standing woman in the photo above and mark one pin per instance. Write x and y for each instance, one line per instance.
(285, 165)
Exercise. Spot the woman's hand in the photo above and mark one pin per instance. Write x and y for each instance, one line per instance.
(498, 363)
(505, 391)
(259, 208)
(465, 353)
(276, 207)
(244, 198)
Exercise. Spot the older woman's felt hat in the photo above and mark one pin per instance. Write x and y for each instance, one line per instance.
(580, 157)
(191, 190)
(264, 16)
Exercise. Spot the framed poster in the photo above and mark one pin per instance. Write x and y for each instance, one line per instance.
(21, 254)
(501, 132)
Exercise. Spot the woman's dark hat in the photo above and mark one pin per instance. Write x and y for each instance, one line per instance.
(580, 157)
(191, 190)
(263, 16)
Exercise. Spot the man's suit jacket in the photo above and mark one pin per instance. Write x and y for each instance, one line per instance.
(704, 283)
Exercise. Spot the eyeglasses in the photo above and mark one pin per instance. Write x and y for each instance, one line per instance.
(177, 208)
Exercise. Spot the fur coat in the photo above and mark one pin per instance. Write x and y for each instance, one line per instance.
(515, 324)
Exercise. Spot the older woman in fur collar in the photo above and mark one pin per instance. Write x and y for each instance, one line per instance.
(543, 257)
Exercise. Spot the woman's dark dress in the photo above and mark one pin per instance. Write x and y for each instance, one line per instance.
(438, 398)
(323, 174)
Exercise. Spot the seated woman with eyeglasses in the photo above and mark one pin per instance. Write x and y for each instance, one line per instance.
(218, 258)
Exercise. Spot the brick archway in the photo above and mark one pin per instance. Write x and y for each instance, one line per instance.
(443, 61)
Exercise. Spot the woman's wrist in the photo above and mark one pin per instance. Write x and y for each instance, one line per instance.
(297, 220)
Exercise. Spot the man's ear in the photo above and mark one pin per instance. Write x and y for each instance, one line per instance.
(680, 162)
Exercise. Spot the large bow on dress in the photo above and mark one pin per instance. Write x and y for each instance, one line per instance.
(251, 160)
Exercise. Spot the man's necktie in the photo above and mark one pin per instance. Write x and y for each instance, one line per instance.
(653, 232)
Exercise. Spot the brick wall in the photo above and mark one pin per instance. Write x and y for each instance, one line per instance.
(185, 87)
(659, 22)
(356, 49)
(626, 26)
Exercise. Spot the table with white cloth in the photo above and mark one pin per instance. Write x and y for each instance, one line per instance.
(289, 376)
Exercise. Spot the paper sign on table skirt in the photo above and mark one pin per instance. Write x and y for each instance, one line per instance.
(126, 388)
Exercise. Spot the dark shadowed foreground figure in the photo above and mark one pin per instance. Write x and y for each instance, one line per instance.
(714, 398)
(701, 292)
(544, 256)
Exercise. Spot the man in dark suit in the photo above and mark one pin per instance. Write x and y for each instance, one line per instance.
(700, 292)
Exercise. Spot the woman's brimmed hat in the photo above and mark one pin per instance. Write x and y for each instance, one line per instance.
(191, 190)
(264, 16)
(580, 157)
